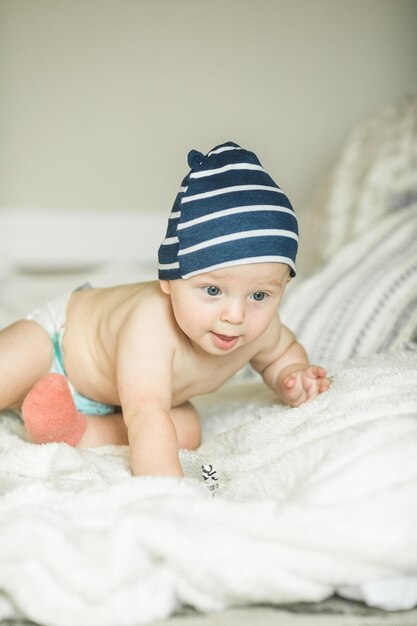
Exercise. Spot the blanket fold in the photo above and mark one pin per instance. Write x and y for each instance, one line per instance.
(310, 500)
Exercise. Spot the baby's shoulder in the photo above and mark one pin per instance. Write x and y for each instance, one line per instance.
(268, 344)
(148, 299)
(148, 308)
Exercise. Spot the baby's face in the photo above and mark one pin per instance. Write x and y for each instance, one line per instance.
(229, 307)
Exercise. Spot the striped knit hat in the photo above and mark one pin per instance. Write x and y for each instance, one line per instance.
(228, 212)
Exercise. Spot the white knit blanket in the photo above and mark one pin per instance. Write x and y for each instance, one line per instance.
(310, 499)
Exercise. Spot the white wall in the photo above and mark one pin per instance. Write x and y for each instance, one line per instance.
(101, 100)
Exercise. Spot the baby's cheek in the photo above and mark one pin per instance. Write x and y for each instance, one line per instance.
(258, 327)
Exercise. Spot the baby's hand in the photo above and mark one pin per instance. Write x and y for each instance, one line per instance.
(302, 385)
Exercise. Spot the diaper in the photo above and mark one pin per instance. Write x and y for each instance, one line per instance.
(52, 316)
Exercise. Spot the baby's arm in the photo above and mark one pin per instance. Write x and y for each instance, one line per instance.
(153, 442)
(286, 369)
(144, 370)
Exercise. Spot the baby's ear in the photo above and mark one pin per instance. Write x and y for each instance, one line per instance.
(165, 286)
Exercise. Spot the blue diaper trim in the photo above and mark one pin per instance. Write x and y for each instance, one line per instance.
(82, 403)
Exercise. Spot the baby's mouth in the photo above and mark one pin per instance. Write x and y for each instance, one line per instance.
(224, 342)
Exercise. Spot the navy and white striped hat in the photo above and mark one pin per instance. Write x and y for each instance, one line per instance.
(228, 212)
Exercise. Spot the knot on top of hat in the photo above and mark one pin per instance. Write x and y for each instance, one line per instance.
(195, 159)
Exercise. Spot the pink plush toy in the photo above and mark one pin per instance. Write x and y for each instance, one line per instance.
(49, 412)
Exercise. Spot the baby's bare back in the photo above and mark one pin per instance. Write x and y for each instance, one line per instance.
(96, 319)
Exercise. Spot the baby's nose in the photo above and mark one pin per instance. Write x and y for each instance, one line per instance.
(233, 312)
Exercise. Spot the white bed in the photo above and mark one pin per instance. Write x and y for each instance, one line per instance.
(313, 502)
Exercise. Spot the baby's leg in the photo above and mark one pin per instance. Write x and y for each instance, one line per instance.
(102, 430)
(25, 356)
(49, 412)
(187, 424)
(111, 429)
(50, 415)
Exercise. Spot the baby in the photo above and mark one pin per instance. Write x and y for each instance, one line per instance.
(120, 365)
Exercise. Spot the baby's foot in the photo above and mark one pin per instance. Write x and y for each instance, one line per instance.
(49, 412)
(210, 477)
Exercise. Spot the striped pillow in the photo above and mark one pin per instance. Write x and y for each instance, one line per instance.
(365, 300)
(375, 175)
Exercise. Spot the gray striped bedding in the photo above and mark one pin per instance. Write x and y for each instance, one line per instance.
(364, 301)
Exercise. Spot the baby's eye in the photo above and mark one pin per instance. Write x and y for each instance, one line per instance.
(258, 296)
(211, 290)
